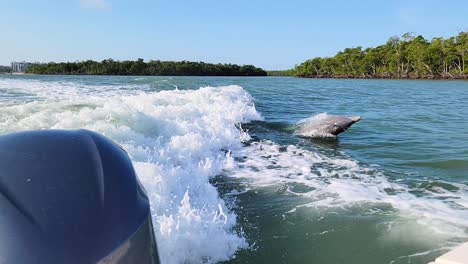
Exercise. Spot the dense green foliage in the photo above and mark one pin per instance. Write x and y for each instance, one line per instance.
(140, 67)
(5, 69)
(281, 73)
(405, 57)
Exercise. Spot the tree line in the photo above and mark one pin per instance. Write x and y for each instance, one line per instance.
(408, 56)
(289, 72)
(140, 67)
(4, 69)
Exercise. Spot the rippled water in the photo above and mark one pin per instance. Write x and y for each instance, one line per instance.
(229, 180)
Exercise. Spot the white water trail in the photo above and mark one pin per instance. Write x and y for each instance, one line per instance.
(175, 140)
(342, 182)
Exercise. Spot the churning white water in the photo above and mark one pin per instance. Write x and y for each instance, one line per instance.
(175, 139)
(342, 182)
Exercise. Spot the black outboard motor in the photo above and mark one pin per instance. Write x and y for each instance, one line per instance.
(71, 197)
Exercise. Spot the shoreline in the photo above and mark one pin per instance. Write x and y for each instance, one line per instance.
(362, 77)
(129, 75)
(390, 77)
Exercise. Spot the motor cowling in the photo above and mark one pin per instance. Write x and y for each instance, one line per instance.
(71, 197)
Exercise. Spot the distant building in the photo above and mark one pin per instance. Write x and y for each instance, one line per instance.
(20, 66)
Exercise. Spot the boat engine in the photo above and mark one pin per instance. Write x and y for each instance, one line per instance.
(71, 197)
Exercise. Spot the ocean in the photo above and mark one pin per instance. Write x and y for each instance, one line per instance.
(229, 180)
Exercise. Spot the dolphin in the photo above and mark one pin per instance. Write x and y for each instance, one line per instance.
(325, 125)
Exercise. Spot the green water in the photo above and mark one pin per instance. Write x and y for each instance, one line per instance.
(392, 189)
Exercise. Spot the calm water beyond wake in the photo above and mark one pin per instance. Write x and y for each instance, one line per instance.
(230, 181)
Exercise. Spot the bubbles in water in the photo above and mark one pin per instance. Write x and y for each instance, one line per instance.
(176, 141)
(339, 181)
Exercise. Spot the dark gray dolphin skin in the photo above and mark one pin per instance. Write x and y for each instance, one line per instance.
(328, 126)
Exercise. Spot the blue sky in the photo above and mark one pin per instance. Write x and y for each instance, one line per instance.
(270, 34)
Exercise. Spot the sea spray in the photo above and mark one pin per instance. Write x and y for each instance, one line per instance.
(340, 182)
(176, 140)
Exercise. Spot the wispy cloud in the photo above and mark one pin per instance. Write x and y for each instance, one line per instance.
(96, 4)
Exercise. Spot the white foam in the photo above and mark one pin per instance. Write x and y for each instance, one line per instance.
(342, 182)
(175, 139)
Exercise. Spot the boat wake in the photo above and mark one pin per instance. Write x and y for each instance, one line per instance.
(338, 181)
(176, 140)
(179, 139)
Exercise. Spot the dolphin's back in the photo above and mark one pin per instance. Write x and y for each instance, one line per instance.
(325, 126)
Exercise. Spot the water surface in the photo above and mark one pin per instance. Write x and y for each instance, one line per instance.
(230, 181)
